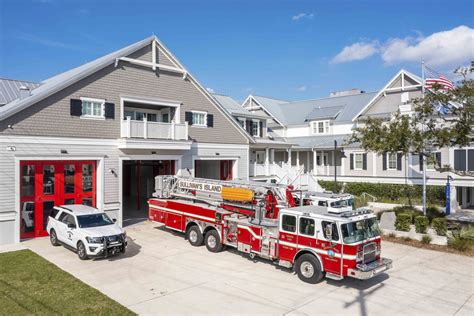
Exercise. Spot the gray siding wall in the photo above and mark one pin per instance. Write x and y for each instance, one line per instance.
(51, 117)
(390, 102)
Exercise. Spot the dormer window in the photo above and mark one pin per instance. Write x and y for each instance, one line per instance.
(256, 128)
(320, 127)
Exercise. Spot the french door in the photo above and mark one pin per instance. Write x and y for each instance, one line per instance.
(44, 184)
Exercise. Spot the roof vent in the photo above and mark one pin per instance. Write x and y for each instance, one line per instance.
(343, 93)
(24, 92)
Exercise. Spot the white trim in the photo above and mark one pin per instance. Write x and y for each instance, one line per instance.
(326, 127)
(388, 161)
(199, 125)
(354, 160)
(19, 139)
(91, 116)
(235, 168)
(132, 143)
(153, 65)
(211, 219)
(264, 108)
(384, 89)
(219, 146)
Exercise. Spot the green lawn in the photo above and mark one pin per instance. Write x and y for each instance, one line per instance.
(31, 285)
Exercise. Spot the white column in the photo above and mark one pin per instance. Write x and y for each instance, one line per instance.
(315, 172)
(172, 129)
(289, 157)
(267, 161)
(307, 162)
(129, 126)
(298, 159)
(145, 127)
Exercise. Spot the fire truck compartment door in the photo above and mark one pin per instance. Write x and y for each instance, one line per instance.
(174, 221)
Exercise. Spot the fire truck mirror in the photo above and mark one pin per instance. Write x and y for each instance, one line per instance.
(328, 231)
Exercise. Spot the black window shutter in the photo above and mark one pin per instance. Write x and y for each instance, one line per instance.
(76, 107)
(261, 128)
(351, 163)
(188, 117)
(364, 161)
(460, 159)
(109, 110)
(210, 120)
(399, 161)
(384, 161)
(248, 126)
(421, 162)
(438, 160)
(470, 160)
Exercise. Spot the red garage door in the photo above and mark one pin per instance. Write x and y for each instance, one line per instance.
(44, 184)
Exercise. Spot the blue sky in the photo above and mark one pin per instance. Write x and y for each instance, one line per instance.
(284, 49)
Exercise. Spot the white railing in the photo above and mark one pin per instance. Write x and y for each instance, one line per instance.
(153, 130)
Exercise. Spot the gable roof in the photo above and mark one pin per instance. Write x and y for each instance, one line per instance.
(269, 105)
(10, 89)
(234, 108)
(401, 73)
(341, 108)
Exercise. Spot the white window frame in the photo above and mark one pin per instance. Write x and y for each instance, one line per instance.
(361, 161)
(258, 128)
(205, 118)
(388, 161)
(91, 116)
(315, 127)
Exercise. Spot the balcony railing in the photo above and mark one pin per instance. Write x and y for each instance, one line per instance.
(153, 130)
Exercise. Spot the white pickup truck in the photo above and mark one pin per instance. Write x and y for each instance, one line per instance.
(86, 230)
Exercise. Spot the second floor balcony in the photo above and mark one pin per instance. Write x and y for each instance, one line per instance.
(145, 129)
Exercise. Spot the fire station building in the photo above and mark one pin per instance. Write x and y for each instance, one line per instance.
(98, 134)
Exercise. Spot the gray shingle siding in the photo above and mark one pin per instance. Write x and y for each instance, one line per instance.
(51, 116)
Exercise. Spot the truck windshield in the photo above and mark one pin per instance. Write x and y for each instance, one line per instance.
(360, 230)
(341, 203)
(94, 220)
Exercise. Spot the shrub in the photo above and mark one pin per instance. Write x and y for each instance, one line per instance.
(433, 212)
(425, 239)
(439, 225)
(403, 222)
(413, 212)
(459, 243)
(392, 235)
(421, 224)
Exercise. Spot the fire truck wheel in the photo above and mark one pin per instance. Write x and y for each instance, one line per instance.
(194, 236)
(309, 269)
(213, 241)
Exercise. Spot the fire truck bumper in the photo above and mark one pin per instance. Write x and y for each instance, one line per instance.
(367, 271)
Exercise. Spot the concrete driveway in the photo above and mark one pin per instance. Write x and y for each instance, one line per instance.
(163, 274)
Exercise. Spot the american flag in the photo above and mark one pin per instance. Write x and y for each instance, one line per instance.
(433, 77)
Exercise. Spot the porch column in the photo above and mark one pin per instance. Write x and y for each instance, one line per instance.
(298, 159)
(145, 127)
(129, 126)
(289, 156)
(307, 162)
(267, 161)
(314, 163)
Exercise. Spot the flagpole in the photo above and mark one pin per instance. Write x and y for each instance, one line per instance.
(424, 144)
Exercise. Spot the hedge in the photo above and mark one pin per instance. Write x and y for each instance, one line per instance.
(393, 192)
(439, 225)
(421, 224)
(403, 222)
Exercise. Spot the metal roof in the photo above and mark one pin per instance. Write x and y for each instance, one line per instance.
(234, 108)
(10, 89)
(297, 112)
(324, 113)
(321, 142)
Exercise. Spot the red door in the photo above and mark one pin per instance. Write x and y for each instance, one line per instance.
(226, 169)
(45, 184)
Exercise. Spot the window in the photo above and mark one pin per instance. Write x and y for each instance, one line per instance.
(241, 122)
(358, 161)
(140, 115)
(255, 128)
(92, 108)
(433, 162)
(200, 118)
(67, 218)
(166, 118)
(392, 161)
(323, 203)
(288, 223)
(54, 212)
(335, 233)
(320, 127)
(307, 226)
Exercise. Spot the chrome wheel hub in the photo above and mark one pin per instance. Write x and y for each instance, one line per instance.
(193, 236)
(211, 241)
(307, 269)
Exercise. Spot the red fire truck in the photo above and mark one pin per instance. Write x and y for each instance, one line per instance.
(261, 219)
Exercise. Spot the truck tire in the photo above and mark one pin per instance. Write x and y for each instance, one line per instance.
(81, 251)
(193, 234)
(213, 241)
(308, 269)
(53, 238)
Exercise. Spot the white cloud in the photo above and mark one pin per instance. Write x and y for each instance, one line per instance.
(442, 49)
(356, 51)
(302, 88)
(447, 48)
(210, 90)
(302, 15)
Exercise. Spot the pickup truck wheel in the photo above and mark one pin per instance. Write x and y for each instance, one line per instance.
(308, 269)
(194, 236)
(81, 251)
(53, 238)
(213, 241)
